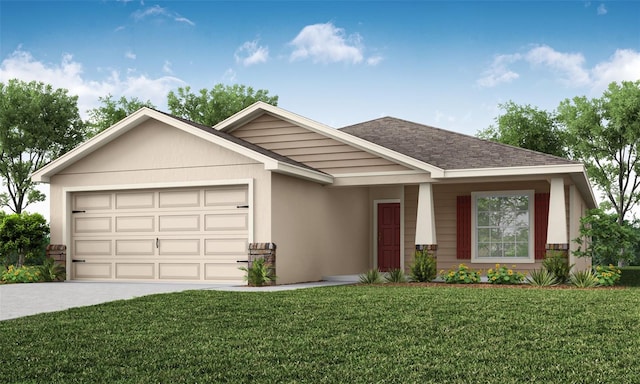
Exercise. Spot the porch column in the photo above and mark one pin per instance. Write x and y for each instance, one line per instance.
(557, 225)
(425, 221)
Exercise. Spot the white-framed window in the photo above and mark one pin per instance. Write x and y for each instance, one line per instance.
(502, 227)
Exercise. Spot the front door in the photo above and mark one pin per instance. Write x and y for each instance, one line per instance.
(388, 236)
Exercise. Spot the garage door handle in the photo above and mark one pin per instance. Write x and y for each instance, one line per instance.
(242, 206)
(78, 211)
(242, 261)
(77, 261)
(157, 242)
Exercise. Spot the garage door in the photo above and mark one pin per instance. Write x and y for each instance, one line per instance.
(196, 234)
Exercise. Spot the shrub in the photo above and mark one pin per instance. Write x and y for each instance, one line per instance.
(462, 275)
(395, 275)
(372, 276)
(26, 274)
(23, 236)
(584, 279)
(259, 273)
(607, 275)
(424, 267)
(630, 276)
(558, 264)
(52, 271)
(541, 278)
(503, 275)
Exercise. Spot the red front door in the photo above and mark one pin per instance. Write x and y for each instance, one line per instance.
(388, 236)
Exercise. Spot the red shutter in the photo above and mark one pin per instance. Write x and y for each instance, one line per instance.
(463, 225)
(541, 217)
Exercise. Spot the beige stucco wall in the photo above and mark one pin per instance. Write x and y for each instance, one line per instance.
(157, 154)
(318, 231)
(445, 216)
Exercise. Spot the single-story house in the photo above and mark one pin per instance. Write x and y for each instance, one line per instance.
(160, 198)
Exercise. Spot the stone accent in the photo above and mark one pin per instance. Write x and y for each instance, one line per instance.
(431, 248)
(266, 251)
(559, 248)
(58, 252)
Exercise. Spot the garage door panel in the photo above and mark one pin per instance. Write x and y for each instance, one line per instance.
(226, 197)
(92, 270)
(173, 223)
(93, 201)
(223, 271)
(92, 247)
(136, 200)
(135, 270)
(174, 199)
(135, 224)
(226, 246)
(179, 247)
(141, 247)
(181, 271)
(226, 222)
(92, 224)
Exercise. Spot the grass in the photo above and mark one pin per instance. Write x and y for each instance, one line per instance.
(358, 334)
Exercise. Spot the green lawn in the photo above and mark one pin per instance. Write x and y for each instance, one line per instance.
(358, 334)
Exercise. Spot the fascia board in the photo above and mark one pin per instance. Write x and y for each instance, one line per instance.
(258, 108)
(292, 170)
(513, 171)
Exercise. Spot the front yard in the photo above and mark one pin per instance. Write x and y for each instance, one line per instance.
(357, 334)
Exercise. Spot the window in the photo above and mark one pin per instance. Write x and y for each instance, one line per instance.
(502, 229)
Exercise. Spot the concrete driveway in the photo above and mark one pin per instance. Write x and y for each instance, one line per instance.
(18, 300)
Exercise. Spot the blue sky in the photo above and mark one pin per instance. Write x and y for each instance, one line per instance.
(446, 64)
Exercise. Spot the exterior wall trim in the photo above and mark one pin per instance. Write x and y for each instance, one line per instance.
(375, 229)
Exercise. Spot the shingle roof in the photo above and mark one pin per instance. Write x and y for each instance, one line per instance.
(244, 143)
(445, 149)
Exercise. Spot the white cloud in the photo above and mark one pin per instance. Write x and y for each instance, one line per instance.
(602, 10)
(158, 11)
(69, 74)
(326, 43)
(499, 71)
(570, 66)
(229, 76)
(130, 55)
(374, 60)
(166, 67)
(624, 64)
(251, 53)
(119, 28)
(181, 19)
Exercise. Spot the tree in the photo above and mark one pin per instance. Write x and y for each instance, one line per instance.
(23, 235)
(527, 127)
(210, 107)
(37, 124)
(111, 111)
(604, 133)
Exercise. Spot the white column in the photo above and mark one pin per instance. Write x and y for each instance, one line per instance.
(426, 221)
(557, 225)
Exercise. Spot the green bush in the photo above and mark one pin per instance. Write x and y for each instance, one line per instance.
(630, 276)
(607, 275)
(424, 267)
(23, 237)
(504, 275)
(462, 275)
(584, 279)
(558, 264)
(372, 276)
(541, 278)
(52, 271)
(259, 273)
(26, 274)
(395, 275)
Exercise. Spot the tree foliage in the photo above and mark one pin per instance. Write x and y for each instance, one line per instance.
(604, 133)
(112, 111)
(37, 124)
(24, 236)
(209, 107)
(527, 127)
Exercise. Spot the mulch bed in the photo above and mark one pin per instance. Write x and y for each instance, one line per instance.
(489, 286)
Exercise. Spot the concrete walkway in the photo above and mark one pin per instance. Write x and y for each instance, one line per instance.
(18, 300)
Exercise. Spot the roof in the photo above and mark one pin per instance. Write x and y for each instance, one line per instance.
(445, 149)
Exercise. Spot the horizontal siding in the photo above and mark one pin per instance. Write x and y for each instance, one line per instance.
(311, 148)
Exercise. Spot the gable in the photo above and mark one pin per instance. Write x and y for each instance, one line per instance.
(311, 148)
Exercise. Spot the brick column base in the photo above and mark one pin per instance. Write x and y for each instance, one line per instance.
(266, 251)
(562, 249)
(430, 248)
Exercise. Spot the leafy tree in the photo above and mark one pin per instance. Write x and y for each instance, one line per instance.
(527, 127)
(609, 242)
(209, 107)
(23, 235)
(37, 124)
(604, 133)
(111, 111)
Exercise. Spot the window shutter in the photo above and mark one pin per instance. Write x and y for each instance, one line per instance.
(463, 226)
(541, 217)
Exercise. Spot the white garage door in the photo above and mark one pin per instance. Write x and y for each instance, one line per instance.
(196, 234)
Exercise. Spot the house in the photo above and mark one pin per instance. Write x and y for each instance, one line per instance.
(160, 198)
